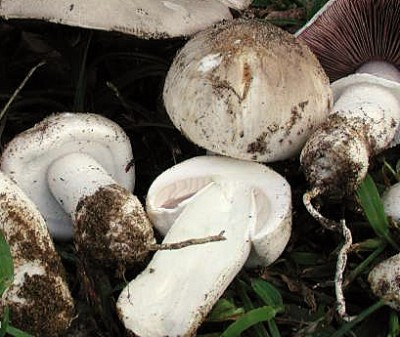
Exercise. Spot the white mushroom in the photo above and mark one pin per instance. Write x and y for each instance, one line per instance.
(384, 281)
(142, 18)
(391, 201)
(359, 52)
(38, 298)
(73, 166)
(247, 89)
(197, 198)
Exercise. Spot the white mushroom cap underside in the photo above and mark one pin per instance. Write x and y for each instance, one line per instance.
(27, 157)
(172, 191)
(143, 18)
(248, 90)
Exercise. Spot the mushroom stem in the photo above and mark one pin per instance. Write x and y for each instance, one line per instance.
(381, 69)
(38, 298)
(75, 176)
(110, 223)
(204, 271)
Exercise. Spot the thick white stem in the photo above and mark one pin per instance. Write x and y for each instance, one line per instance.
(172, 296)
(370, 103)
(74, 176)
(381, 69)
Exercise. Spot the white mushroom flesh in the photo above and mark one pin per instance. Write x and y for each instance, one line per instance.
(203, 196)
(38, 298)
(172, 296)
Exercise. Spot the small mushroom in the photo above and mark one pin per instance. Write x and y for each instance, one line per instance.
(390, 200)
(384, 281)
(38, 298)
(247, 89)
(384, 277)
(73, 166)
(141, 18)
(200, 197)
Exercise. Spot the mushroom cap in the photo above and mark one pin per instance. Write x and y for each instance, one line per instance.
(27, 157)
(142, 18)
(390, 200)
(38, 298)
(384, 281)
(345, 34)
(247, 89)
(174, 189)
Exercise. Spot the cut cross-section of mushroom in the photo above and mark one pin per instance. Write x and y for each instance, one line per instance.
(38, 298)
(142, 18)
(201, 197)
(77, 175)
(248, 90)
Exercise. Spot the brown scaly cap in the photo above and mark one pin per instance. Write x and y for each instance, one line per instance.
(344, 34)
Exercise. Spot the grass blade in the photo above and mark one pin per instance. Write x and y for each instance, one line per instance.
(371, 203)
(6, 265)
(268, 294)
(345, 328)
(249, 319)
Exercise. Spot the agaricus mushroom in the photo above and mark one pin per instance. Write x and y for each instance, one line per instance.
(142, 18)
(38, 298)
(200, 197)
(73, 166)
(247, 89)
(357, 39)
(384, 277)
(348, 37)
(357, 43)
(384, 281)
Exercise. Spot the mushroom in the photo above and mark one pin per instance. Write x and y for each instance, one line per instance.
(73, 166)
(199, 197)
(384, 277)
(247, 89)
(357, 44)
(38, 298)
(142, 18)
(384, 281)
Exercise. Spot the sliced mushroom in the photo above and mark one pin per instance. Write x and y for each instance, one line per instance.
(247, 89)
(38, 298)
(77, 175)
(142, 18)
(201, 197)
